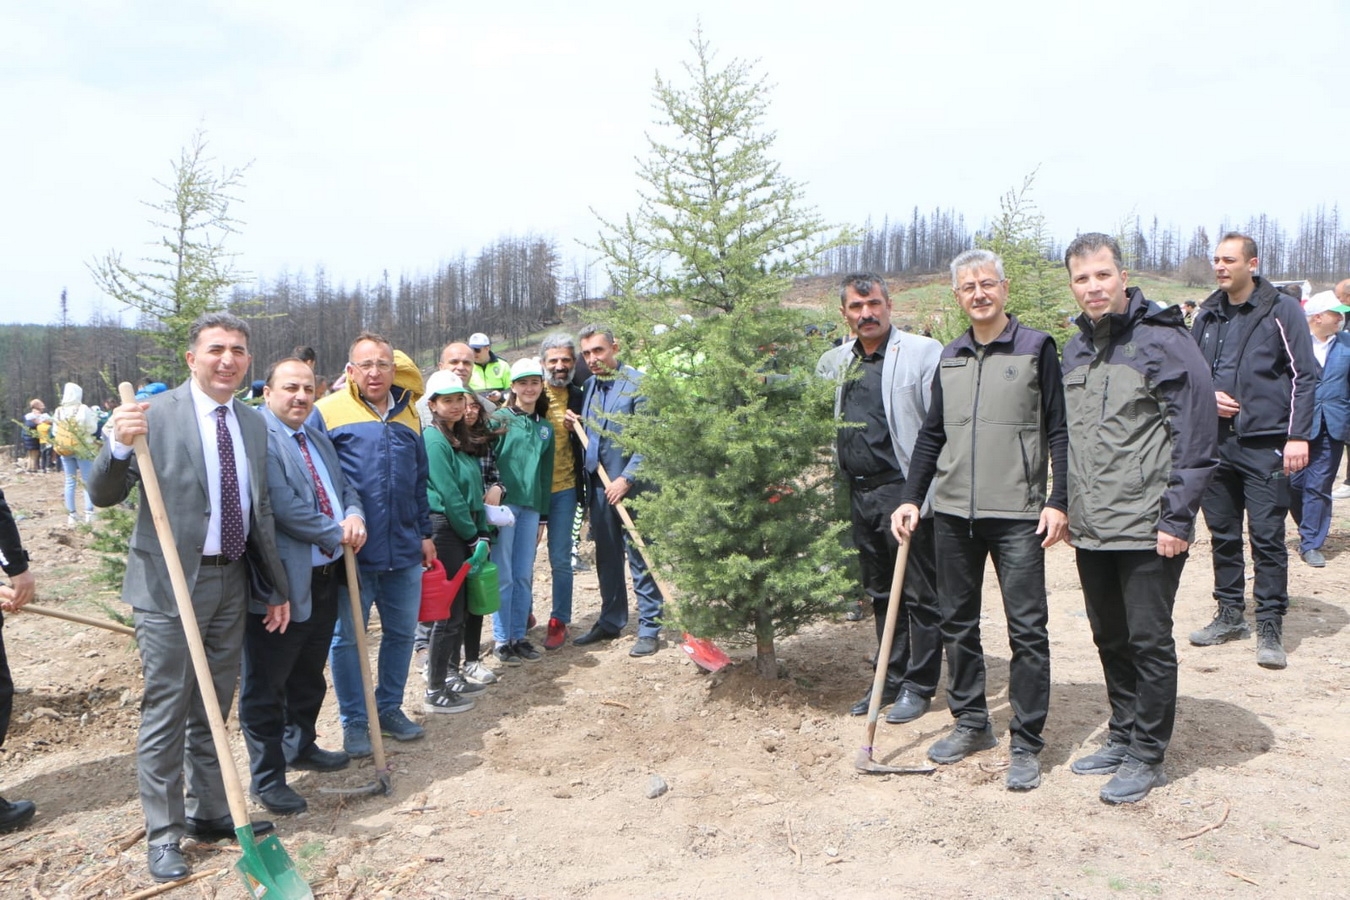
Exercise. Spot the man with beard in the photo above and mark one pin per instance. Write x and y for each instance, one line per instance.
(559, 355)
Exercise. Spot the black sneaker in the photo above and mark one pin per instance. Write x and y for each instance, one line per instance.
(525, 650)
(1228, 625)
(1133, 781)
(1024, 770)
(455, 683)
(1269, 646)
(962, 742)
(1104, 762)
(446, 702)
(506, 654)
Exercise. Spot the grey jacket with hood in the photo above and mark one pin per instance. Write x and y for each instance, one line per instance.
(1143, 427)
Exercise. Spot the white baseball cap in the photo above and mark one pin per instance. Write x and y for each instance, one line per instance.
(443, 382)
(524, 368)
(478, 340)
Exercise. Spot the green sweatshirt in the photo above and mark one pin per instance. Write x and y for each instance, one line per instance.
(525, 459)
(454, 485)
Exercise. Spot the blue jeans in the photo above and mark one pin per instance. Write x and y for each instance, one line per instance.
(69, 465)
(562, 509)
(514, 555)
(1310, 491)
(398, 595)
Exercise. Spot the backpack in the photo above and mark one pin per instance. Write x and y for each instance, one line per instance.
(66, 437)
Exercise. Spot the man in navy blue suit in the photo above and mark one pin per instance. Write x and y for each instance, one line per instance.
(614, 388)
(316, 512)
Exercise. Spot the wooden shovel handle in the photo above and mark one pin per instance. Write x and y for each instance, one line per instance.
(887, 639)
(234, 790)
(367, 682)
(76, 617)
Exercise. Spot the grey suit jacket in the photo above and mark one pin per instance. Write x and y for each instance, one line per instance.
(176, 446)
(295, 506)
(624, 398)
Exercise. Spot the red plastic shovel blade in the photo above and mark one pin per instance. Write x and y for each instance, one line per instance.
(705, 654)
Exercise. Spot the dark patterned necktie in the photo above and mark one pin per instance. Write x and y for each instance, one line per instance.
(231, 513)
(325, 505)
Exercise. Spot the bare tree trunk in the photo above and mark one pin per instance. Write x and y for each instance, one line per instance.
(766, 663)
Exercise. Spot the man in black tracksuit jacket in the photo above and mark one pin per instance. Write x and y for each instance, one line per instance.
(1260, 354)
(1142, 429)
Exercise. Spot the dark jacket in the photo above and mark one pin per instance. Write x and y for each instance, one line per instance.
(1143, 427)
(13, 558)
(996, 420)
(1333, 391)
(1277, 371)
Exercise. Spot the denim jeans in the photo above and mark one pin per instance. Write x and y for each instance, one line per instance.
(514, 555)
(398, 595)
(562, 509)
(1310, 491)
(69, 465)
(612, 544)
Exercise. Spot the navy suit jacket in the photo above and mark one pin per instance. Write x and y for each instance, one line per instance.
(295, 506)
(623, 398)
(1332, 401)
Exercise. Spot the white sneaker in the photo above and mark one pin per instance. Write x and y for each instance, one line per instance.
(479, 673)
(70, 520)
(89, 518)
(1342, 492)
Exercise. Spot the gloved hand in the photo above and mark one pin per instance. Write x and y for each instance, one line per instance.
(478, 556)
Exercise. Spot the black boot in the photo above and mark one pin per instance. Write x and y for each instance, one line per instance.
(14, 816)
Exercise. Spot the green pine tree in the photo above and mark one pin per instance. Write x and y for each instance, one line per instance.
(740, 517)
(190, 271)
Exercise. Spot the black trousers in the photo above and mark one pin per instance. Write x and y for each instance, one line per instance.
(1129, 596)
(6, 686)
(447, 636)
(916, 650)
(282, 685)
(1015, 548)
(1250, 478)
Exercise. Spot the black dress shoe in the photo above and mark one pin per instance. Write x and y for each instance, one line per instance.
(597, 634)
(908, 707)
(281, 800)
(888, 695)
(317, 759)
(167, 863)
(221, 829)
(14, 816)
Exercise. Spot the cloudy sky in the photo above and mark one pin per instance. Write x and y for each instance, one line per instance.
(398, 135)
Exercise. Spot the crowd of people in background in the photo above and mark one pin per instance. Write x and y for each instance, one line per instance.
(1237, 408)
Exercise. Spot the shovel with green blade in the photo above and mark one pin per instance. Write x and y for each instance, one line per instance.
(265, 868)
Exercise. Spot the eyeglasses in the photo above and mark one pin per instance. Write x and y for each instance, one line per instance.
(370, 365)
(987, 285)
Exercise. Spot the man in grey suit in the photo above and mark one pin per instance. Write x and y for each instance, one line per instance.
(282, 685)
(612, 389)
(210, 455)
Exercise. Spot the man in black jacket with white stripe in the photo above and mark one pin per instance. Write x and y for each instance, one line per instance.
(1260, 354)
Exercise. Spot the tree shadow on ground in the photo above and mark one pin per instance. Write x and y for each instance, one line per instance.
(1312, 617)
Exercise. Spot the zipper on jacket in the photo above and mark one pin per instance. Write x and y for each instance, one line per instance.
(974, 427)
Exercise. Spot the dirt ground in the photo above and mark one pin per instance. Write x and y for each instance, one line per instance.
(542, 790)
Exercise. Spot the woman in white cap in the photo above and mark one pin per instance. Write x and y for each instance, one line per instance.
(524, 450)
(458, 527)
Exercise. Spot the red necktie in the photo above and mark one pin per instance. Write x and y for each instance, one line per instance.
(325, 505)
(231, 513)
